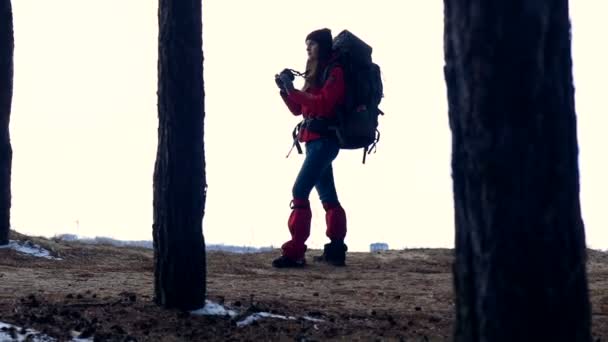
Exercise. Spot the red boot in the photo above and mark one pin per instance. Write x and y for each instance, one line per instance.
(299, 227)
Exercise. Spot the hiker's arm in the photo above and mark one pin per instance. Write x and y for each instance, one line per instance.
(324, 103)
(294, 108)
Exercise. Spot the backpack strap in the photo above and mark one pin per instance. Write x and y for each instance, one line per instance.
(372, 147)
(294, 135)
(327, 70)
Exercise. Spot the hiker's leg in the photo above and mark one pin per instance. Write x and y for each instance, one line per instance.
(319, 154)
(334, 252)
(335, 217)
(326, 187)
(299, 227)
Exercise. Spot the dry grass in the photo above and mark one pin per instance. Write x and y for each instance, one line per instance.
(106, 292)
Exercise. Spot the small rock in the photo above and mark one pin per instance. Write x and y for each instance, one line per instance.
(118, 329)
(87, 333)
(12, 333)
(434, 319)
(315, 314)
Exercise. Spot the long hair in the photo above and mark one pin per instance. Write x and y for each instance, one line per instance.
(314, 72)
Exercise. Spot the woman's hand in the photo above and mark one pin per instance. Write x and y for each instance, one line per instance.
(279, 83)
(287, 78)
(287, 82)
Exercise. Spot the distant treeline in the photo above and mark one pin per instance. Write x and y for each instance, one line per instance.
(148, 244)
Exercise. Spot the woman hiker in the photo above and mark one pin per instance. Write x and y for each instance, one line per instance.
(318, 103)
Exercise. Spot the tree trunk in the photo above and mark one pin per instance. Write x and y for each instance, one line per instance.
(6, 97)
(519, 272)
(179, 173)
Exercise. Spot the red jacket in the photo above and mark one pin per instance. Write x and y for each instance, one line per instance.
(317, 102)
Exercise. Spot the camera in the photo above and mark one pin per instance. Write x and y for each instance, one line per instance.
(288, 73)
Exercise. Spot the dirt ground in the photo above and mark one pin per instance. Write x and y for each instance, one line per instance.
(105, 293)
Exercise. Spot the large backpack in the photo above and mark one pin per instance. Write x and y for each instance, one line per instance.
(357, 124)
(357, 120)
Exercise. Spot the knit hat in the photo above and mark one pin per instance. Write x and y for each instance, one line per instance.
(323, 38)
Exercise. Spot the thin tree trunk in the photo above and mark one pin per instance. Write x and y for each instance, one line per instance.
(6, 97)
(179, 174)
(519, 273)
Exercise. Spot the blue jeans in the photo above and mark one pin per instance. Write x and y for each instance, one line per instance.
(317, 172)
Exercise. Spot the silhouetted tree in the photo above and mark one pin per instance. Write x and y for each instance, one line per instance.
(519, 272)
(6, 98)
(179, 173)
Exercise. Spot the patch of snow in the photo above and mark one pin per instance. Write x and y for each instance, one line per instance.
(259, 315)
(9, 332)
(30, 248)
(75, 337)
(317, 320)
(213, 309)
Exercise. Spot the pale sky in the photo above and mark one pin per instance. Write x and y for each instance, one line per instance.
(84, 120)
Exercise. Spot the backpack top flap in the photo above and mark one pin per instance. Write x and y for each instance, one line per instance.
(350, 46)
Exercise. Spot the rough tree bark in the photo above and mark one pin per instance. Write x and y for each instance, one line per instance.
(6, 98)
(519, 272)
(179, 173)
